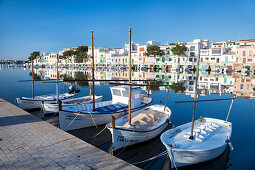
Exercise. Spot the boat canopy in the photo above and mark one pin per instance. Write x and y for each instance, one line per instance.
(120, 95)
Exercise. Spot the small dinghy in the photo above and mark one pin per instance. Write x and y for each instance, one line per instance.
(146, 124)
(36, 102)
(53, 106)
(82, 116)
(210, 138)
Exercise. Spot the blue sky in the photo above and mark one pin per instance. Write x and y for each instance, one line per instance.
(51, 25)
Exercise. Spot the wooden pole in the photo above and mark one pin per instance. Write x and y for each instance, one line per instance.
(113, 121)
(59, 105)
(149, 89)
(195, 97)
(129, 87)
(166, 97)
(93, 69)
(33, 83)
(57, 80)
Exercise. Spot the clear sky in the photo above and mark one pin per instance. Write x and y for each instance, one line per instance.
(51, 25)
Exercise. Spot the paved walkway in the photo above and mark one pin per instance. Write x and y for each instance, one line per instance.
(27, 142)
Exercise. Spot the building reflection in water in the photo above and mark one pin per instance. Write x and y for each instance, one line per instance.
(209, 82)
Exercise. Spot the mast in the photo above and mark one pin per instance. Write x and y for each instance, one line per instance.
(33, 83)
(93, 69)
(129, 87)
(195, 97)
(57, 79)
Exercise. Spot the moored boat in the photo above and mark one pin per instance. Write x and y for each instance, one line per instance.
(147, 123)
(211, 136)
(53, 106)
(81, 116)
(36, 102)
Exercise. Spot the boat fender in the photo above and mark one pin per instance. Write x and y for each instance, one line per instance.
(230, 145)
(202, 119)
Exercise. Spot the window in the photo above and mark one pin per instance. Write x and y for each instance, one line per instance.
(116, 60)
(244, 53)
(248, 87)
(195, 59)
(241, 86)
(190, 59)
(125, 93)
(183, 59)
(206, 58)
(141, 49)
(216, 51)
(192, 54)
(212, 58)
(250, 53)
(116, 92)
(170, 59)
(137, 94)
(192, 48)
(168, 52)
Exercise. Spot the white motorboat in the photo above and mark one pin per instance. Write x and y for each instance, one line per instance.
(211, 136)
(146, 124)
(53, 106)
(36, 102)
(81, 116)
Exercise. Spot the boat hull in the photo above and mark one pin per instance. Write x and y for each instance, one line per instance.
(71, 121)
(122, 138)
(29, 104)
(52, 107)
(185, 158)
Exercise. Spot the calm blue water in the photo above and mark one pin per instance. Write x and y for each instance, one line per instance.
(242, 117)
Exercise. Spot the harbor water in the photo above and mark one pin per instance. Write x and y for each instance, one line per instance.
(212, 86)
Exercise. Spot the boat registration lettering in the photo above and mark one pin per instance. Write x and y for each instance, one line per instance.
(122, 139)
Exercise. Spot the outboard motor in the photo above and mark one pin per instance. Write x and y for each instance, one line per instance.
(73, 89)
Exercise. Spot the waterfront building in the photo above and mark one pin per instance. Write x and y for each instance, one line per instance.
(245, 53)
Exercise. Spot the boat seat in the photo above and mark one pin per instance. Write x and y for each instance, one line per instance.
(146, 120)
(111, 108)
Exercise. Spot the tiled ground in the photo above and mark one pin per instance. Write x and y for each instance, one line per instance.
(27, 142)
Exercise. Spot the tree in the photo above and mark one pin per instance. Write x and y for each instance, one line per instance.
(178, 87)
(154, 50)
(33, 55)
(82, 49)
(179, 50)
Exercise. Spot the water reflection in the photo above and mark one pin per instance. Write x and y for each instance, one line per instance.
(210, 86)
(208, 83)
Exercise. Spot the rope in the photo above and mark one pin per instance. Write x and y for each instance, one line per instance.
(154, 157)
(124, 147)
(93, 120)
(230, 108)
(172, 158)
(73, 119)
(99, 132)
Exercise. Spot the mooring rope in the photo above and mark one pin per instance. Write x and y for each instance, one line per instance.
(73, 120)
(93, 120)
(99, 132)
(154, 157)
(124, 146)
